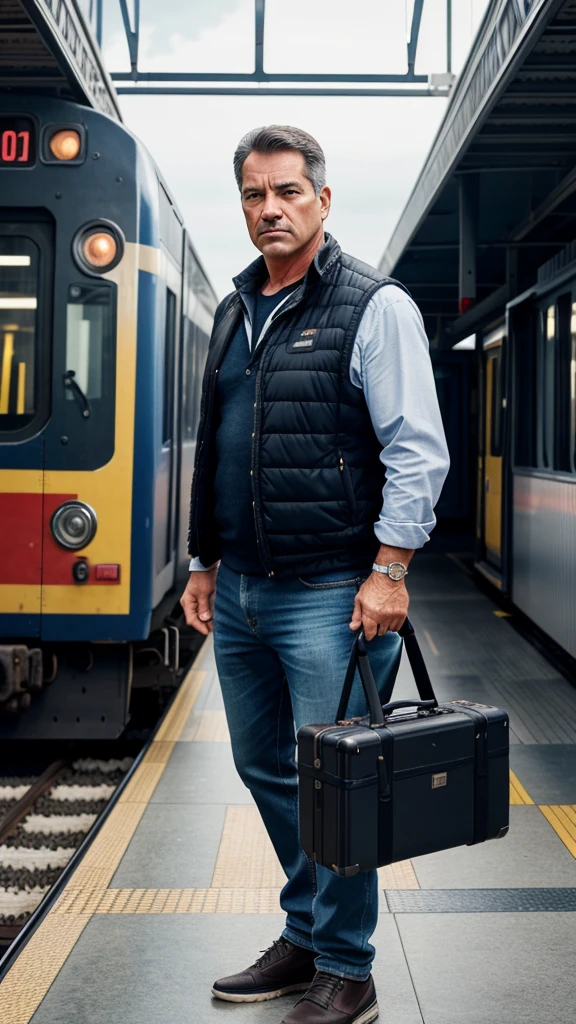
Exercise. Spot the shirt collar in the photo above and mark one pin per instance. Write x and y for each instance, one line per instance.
(256, 273)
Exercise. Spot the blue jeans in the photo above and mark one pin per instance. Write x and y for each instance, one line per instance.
(282, 648)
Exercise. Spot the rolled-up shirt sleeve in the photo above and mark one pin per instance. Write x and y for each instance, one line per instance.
(391, 364)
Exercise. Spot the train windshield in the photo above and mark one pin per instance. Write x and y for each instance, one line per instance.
(19, 270)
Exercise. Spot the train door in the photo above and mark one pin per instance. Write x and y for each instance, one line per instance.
(494, 404)
(26, 256)
(198, 306)
(165, 510)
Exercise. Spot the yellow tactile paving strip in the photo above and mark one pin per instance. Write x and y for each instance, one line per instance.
(562, 817)
(30, 977)
(206, 726)
(170, 901)
(518, 794)
(398, 876)
(25, 986)
(246, 857)
(184, 702)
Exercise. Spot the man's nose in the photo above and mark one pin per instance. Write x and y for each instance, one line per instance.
(271, 209)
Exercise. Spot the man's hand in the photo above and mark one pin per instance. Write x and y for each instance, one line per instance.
(380, 605)
(198, 600)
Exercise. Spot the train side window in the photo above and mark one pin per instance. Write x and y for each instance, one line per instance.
(19, 287)
(573, 384)
(556, 385)
(169, 349)
(564, 397)
(548, 384)
(524, 337)
(90, 340)
(188, 378)
(497, 395)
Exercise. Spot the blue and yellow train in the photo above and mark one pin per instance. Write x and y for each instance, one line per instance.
(105, 316)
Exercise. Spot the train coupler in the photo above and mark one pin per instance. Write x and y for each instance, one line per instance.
(21, 673)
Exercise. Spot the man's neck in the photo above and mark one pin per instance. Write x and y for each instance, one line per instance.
(283, 272)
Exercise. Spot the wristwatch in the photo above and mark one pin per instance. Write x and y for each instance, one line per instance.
(395, 570)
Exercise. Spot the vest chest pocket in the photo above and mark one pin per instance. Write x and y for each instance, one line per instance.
(347, 483)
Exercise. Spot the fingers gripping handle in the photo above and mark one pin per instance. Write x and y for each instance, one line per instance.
(359, 659)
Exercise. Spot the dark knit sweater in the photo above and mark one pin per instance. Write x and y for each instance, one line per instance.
(235, 395)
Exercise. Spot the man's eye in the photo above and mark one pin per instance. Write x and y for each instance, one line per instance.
(291, 192)
(252, 195)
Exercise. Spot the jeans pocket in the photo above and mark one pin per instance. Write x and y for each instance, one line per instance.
(314, 584)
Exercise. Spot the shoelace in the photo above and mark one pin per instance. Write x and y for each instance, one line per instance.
(268, 956)
(323, 989)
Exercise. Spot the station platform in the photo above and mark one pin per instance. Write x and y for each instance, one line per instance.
(181, 883)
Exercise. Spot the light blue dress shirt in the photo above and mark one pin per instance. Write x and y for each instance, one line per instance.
(391, 364)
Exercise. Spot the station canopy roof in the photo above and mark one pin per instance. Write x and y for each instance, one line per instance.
(48, 46)
(510, 123)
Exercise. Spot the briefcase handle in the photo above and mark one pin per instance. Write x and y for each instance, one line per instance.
(359, 659)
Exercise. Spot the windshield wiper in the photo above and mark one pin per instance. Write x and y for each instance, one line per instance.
(71, 382)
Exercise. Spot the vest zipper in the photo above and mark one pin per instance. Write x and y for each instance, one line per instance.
(263, 548)
(347, 481)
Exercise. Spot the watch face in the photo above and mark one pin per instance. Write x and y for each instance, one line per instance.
(396, 571)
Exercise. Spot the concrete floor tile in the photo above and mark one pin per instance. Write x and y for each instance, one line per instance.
(530, 855)
(547, 772)
(492, 968)
(210, 696)
(201, 773)
(172, 848)
(142, 969)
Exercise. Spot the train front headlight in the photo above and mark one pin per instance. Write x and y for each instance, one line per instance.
(73, 525)
(65, 144)
(99, 249)
(98, 246)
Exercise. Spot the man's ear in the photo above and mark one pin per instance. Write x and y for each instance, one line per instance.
(325, 197)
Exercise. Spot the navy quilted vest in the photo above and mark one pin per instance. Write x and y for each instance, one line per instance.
(316, 472)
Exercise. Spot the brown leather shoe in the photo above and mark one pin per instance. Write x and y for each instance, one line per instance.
(333, 1000)
(282, 968)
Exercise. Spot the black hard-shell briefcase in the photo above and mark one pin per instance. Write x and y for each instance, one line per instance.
(413, 777)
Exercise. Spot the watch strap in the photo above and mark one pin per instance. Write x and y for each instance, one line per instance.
(384, 570)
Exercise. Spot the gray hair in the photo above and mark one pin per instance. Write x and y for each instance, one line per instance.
(276, 137)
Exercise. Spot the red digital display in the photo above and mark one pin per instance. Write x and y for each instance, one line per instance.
(17, 142)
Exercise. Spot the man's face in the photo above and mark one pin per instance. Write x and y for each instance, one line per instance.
(282, 211)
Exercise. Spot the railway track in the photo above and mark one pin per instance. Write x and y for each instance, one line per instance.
(53, 796)
(43, 820)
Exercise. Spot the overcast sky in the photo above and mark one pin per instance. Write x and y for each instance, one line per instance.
(374, 146)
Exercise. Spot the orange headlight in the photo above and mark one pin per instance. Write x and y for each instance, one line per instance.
(99, 249)
(66, 144)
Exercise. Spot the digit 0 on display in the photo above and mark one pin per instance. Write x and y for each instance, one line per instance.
(17, 142)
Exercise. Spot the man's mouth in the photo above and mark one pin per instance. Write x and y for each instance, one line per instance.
(273, 231)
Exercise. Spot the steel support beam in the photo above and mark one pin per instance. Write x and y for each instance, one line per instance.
(414, 34)
(468, 218)
(200, 90)
(99, 21)
(563, 191)
(449, 36)
(132, 34)
(259, 16)
(196, 83)
(263, 78)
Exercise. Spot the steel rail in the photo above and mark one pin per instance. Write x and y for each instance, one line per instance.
(22, 806)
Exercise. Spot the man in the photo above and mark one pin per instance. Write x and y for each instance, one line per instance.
(318, 390)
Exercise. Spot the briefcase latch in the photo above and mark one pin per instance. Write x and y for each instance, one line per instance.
(440, 779)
